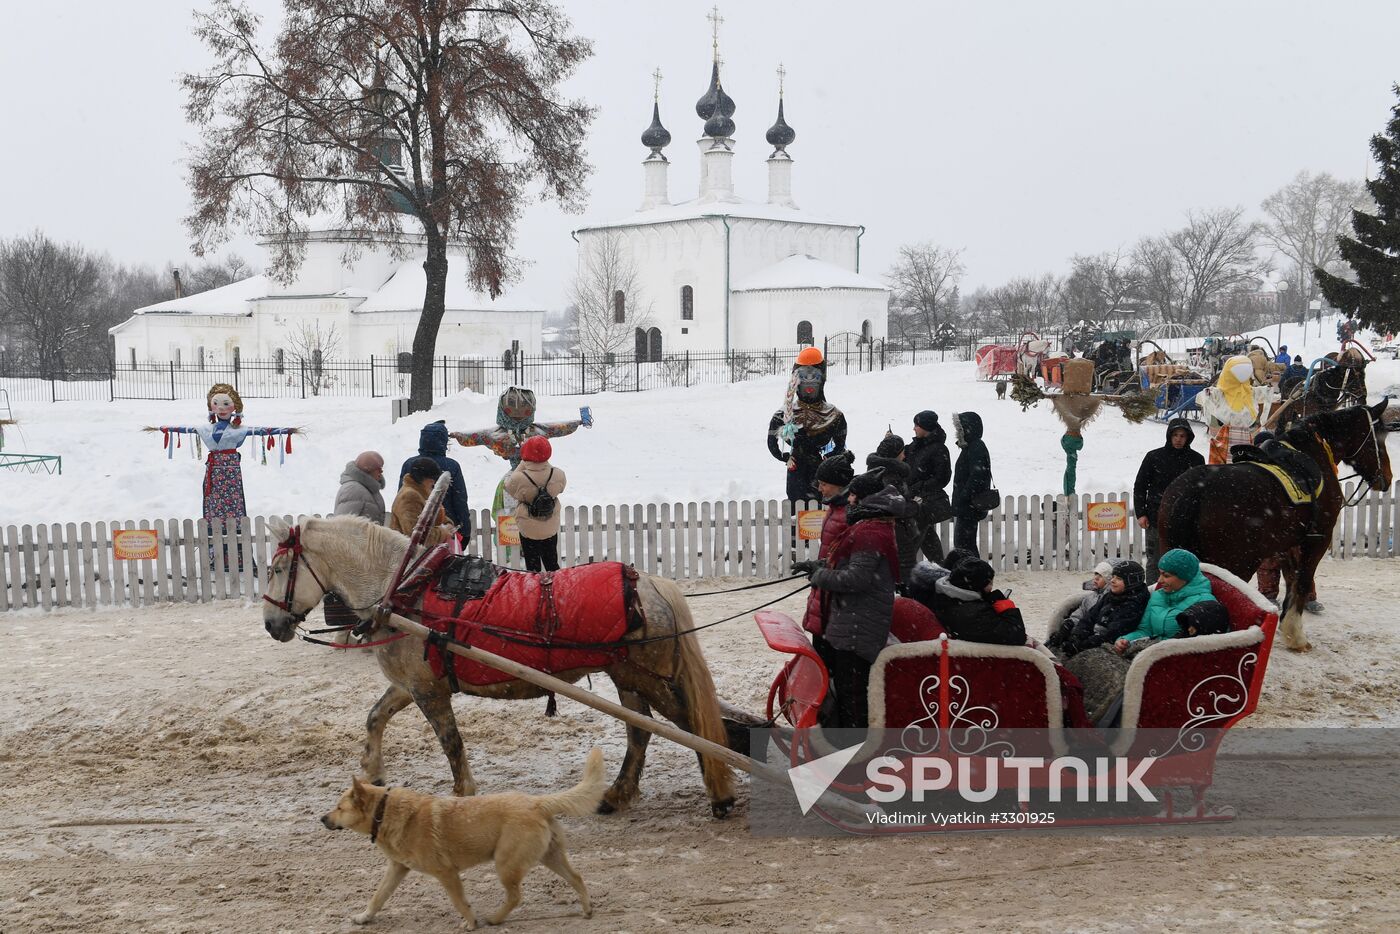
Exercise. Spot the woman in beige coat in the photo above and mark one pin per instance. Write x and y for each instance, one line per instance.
(539, 533)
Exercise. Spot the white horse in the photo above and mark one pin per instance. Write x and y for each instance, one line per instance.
(356, 560)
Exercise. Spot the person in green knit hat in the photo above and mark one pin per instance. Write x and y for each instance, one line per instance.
(1180, 585)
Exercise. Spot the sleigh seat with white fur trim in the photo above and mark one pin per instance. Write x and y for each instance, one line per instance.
(1180, 694)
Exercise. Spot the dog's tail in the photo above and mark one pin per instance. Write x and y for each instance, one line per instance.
(583, 798)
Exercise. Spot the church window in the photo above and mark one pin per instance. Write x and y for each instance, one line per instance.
(177, 358)
(133, 357)
(237, 360)
(199, 356)
(654, 345)
(865, 332)
(507, 361)
(804, 332)
(279, 357)
(316, 360)
(405, 362)
(619, 307)
(687, 303)
(641, 344)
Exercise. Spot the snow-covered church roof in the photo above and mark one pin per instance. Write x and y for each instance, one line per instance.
(230, 299)
(405, 288)
(697, 208)
(800, 271)
(402, 291)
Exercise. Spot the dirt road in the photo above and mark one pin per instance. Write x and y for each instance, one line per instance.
(163, 771)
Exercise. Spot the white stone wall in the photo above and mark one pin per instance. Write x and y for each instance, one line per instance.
(162, 338)
(692, 252)
(769, 318)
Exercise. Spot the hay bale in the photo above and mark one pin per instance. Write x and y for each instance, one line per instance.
(1078, 376)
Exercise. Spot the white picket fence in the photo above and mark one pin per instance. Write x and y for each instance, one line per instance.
(73, 565)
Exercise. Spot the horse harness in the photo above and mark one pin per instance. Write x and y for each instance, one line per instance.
(293, 547)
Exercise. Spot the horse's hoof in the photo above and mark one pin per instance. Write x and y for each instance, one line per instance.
(722, 808)
(1312, 606)
(1300, 649)
(604, 807)
(378, 782)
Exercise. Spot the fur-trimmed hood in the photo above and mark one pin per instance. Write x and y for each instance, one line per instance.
(967, 427)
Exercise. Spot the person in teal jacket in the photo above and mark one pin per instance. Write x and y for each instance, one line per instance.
(1180, 585)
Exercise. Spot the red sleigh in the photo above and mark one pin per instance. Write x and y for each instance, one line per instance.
(1180, 697)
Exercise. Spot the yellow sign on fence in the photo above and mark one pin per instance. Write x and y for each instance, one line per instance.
(507, 535)
(1107, 517)
(135, 544)
(809, 524)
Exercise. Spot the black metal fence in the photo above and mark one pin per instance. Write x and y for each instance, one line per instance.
(576, 374)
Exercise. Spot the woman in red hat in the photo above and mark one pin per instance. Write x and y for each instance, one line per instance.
(535, 486)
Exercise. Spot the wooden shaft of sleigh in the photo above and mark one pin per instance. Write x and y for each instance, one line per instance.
(589, 699)
(641, 721)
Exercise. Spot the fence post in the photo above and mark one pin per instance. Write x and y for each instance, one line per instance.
(636, 373)
(172, 380)
(53, 389)
(112, 382)
(302, 363)
(371, 376)
(687, 369)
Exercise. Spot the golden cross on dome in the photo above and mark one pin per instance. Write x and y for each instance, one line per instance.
(656, 85)
(715, 21)
(782, 73)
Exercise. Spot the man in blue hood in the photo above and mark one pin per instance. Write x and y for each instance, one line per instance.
(432, 442)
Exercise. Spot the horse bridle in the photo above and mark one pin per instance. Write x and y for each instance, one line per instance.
(292, 545)
(1361, 491)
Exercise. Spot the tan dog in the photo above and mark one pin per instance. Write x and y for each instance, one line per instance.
(442, 836)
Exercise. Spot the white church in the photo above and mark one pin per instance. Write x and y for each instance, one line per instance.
(722, 272)
(373, 303)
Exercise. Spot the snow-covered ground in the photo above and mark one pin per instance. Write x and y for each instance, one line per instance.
(668, 445)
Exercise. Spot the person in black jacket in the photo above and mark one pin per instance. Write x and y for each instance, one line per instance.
(972, 478)
(432, 443)
(889, 465)
(1115, 615)
(970, 608)
(1159, 468)
(930, 470)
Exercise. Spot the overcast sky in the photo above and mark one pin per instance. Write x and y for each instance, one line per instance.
(1023, 132)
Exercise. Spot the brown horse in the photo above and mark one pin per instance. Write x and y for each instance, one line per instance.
(1236, 516)
(356, 560)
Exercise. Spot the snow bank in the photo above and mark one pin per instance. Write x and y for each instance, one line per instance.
(669, 445)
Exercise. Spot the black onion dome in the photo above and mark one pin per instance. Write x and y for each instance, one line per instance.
(780, 134)
(719, 126)
(714, 99)
(705, 106)
(656, 137)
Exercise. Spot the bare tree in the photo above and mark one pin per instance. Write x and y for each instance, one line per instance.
(215, 274)
(311, 346)
(1304, 219)
(924, 279)
(52, 297)
(1183, 272)
(446, 112)
(608, 304)
(1100, 286)
(1026, 303)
